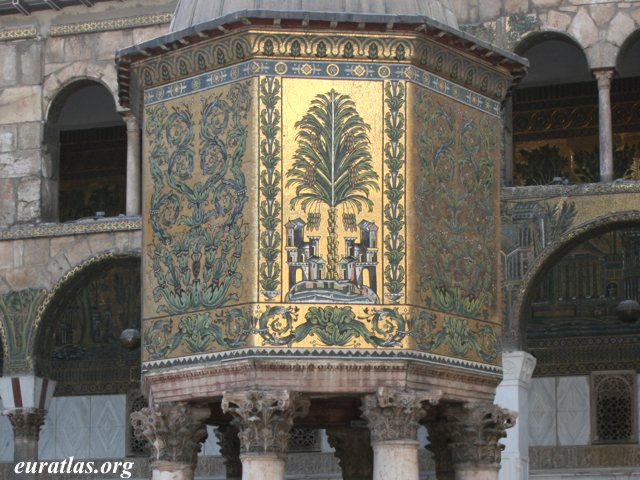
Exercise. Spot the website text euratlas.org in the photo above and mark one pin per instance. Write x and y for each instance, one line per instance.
(70, 466)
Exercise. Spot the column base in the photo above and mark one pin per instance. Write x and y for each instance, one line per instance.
(396, 460)
(262, 466)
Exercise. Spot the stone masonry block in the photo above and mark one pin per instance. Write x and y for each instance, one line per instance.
(19, 164)
(54, 52)
(620, 28)
(7, 201)
(583, 28)
(78, 47)
(490, 9)
(36, 251)
(60, 244)
(8, 66)
(109, 42)
(8, 138)
(601, 14)
(78, 253)
(546, 3)
(31, 64)
(557, 20)
(20, 104)
(29, 135)
(101, 242)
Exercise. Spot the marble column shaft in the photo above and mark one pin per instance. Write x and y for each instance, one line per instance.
(133, 165)
(513, 393)
(175, 432)
(263, 420)
(604, 78)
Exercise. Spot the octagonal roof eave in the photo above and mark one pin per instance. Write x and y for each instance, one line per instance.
(218, 26)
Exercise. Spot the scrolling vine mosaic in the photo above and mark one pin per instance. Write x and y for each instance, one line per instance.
(457, 152)
(196, 207)
(326, 326)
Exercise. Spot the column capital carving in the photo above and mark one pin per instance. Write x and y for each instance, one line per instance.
(26, 422)
(175, 431)
(394, 414)
(264, 418)
(474, 433)
(604, 76)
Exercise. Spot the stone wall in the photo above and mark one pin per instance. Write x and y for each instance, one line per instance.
(599, 28)
(41, 54)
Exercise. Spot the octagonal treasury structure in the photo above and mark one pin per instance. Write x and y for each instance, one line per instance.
(321, 205)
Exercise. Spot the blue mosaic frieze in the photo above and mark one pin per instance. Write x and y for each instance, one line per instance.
(322, 70)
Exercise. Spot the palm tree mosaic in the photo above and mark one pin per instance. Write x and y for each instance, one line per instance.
(332, 170)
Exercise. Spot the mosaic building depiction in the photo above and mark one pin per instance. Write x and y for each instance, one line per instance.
(358, 240)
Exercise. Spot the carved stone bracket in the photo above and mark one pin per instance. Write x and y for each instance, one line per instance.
(353, 449)
(229, 443)
(394, 414)
(264, 418)
(175, 431)
(474, 430)
(26, 422)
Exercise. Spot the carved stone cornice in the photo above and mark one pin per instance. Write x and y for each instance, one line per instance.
(394, 414)
(474, 430)
(229, 443)
(26, 422)
(264, 418)
(353, 450)
(175, 431)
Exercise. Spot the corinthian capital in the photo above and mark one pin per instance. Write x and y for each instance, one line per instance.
(264, 418)
(394, 414)
(26, 422)
(175, 431)
(474, 432)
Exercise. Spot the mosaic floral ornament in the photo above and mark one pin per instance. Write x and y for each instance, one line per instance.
(333, 326)
(197, 201)
(332, 168)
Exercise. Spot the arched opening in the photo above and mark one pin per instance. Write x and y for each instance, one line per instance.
(86, 142)
(583, 396)
(77, 345)
(625, 110)
(555, 114)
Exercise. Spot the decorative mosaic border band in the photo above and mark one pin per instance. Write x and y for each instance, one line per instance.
(304, 353)
(18, 33)
(61, 229)
(322, 70)
(110, 24)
